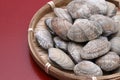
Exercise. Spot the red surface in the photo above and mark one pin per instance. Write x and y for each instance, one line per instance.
(15, 60)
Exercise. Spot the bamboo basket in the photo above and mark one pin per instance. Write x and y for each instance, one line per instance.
(40, 55)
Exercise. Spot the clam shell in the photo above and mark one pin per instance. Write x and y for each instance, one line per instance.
(86, 8)
(112, 9)
(109, 62)
(48, 23)
(75, 50)
(87, 68)
(63, 13)
(116, 18)
(59, 43)
(96, 48)
(84, 30)
(61, 58)
(60, 27)
(115, 44)
(107, 24)
(44, 38)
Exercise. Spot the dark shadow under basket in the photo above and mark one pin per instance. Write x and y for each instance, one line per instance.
(40, 55)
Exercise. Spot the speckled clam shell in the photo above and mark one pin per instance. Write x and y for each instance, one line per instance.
(84, 30)
(112, 9)
(87, 68)
(96, 48)
(116, 18)
(75, 50)
(107, 24)
(59, 43)
(61, 58)
(60, 27)
(63, 13)
(86, 8)
(115, 44)
(44, 38)
(109, 62)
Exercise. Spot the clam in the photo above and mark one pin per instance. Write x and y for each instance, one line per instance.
(44, 38)
(48, 23)
(109, 62)
(96, 48)
(59, 43)
(60, 27)
(112, 9)
(86, 8)
(116, 18)
(115, 44)
(63, 13)
(84, 30)
(61, 58)
(75, 50)
(87, 68)
(107, 24)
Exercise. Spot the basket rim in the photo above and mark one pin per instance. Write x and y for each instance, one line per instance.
(41, 63)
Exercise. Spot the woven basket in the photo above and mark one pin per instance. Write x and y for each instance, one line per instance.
(40, 55)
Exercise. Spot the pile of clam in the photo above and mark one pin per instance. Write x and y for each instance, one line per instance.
(83, 37)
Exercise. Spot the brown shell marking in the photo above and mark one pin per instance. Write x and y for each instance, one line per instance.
(87, 68)
(61, 27)
(109, 62)
(96, 48)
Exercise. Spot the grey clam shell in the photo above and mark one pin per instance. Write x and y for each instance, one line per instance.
(86, 8)
(59, 43)
(75, 50)
(116, 18)
(84, 30)
(60, 27)
(61, 58)
(49, 25)
(44, 38)
(109, 62)
(63, 13)
(112, 9)
(115, 45)
(87, 68)
(96, 48)
(108, 25)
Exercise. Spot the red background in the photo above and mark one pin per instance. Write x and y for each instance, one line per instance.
(15, 60)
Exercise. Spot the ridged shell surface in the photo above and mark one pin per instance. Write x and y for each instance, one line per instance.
(61, 58)
(86, 8)
(87, 68)
(115, 45)
(116, 18)
(112, 9)
(75, 50)
(59, 43)
(109, 62)
(84, 30)
(61, 27)
(108, 25)
(44, 38)
(96, 48)
(63, 13)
